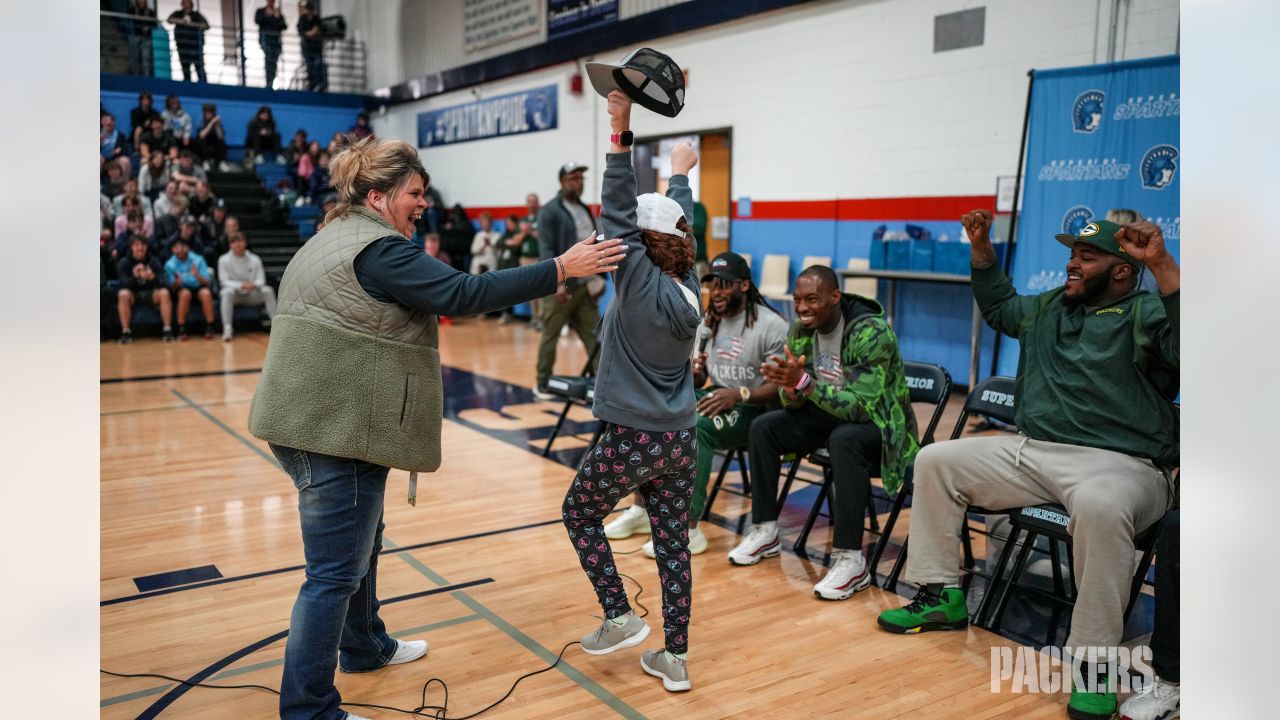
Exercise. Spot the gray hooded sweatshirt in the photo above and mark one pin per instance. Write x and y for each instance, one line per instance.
(646, 338)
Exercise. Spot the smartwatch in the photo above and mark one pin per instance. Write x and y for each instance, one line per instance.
(624, 138)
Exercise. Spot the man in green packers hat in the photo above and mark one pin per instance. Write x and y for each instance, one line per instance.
(1097, 433)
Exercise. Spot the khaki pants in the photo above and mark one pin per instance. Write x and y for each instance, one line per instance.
(580, 313)
(230, 297)
(1111, 497)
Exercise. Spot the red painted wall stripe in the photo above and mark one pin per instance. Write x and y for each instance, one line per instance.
(949, 207)
(946, 207)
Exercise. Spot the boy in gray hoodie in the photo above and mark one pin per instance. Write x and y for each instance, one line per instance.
(644, 391)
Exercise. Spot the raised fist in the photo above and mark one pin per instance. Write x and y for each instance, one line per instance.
(683, 158)
(977, 224)
(1143, 241)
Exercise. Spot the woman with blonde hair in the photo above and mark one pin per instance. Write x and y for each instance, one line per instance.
(351, 387)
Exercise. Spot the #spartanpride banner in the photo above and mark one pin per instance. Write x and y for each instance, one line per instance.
(513, 114)
(1099, 137)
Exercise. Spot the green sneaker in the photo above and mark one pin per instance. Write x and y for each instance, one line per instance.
(946, 611)
(1091, 706)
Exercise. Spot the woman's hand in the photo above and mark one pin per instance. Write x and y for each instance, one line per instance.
(590, 257)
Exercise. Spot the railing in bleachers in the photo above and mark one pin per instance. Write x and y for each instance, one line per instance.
(138, 45)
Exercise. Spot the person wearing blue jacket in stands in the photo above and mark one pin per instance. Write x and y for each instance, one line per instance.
(644, 392)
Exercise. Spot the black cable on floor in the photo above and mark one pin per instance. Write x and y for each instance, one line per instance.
(436, 712)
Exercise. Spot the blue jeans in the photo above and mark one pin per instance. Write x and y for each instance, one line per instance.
(317, 73)
(335, 618)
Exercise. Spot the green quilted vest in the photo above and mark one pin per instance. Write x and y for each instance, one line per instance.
(345, 374)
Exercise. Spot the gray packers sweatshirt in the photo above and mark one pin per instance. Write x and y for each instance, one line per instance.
(646, 337)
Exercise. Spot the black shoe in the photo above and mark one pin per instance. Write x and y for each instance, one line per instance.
(126, 337)
(208, 332)
(182, 332)
(168, 335)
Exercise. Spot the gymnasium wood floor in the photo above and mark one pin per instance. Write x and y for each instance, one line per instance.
(486, 573)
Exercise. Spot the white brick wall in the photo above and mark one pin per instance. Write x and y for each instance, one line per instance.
(827, 99)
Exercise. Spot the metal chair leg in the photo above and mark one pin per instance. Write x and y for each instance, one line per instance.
(746, 471)
(887, 533)
(967, 543)
(823, 493)
(594, 439)
(556, 432)
(1014, 574)
(715, 489)
(1056, 559)
(891, 582)
(1135, 588)
(994, 582)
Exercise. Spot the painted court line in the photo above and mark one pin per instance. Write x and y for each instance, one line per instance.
(236, 672)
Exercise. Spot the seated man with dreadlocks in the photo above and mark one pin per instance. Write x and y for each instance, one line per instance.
(739, 333)
(842, 386)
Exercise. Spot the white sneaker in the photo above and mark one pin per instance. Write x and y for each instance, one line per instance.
(356, 717)
(848, 574)
(258, 160)
(760, 543)
(1159, 702)
(633, 521)
(408, 651)
(542, 394)
(405, 652)
(226, 335)
(697, 543)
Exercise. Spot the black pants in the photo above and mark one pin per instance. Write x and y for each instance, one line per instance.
(188, 59)
(271, 55)
(211, 148)
(855, 457)
(661, 466)
(1165, 639)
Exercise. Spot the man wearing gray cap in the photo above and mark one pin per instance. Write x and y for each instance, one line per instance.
(562, 223)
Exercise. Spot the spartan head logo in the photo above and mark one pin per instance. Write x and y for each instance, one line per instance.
(1075, 219)
(1159, 166)
(1086, 112)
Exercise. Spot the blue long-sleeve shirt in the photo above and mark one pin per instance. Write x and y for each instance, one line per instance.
(394, 270)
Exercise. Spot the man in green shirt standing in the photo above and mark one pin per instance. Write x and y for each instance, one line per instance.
(1096, 381)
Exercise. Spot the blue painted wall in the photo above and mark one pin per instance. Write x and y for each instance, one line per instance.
(320, 114)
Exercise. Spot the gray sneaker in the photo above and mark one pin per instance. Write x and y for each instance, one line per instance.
(611, 636)
(672, 670)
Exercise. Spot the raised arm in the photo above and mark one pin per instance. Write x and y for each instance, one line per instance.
(1144, 241)
(1002, 307)
(618, 197)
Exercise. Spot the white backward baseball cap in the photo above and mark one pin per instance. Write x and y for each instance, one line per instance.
(659, 213)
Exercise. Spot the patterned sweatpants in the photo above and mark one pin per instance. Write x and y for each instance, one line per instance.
(661, 466)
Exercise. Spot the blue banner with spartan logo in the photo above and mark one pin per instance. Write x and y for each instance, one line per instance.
(512, 114)
(1099, 137)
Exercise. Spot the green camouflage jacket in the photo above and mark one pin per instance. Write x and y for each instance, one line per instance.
(875, 388)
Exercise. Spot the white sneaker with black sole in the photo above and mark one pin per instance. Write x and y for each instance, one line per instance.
(405, 652)
(847, 575)
(760, 543)
(633, 521)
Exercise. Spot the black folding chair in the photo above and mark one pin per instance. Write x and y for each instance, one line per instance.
(1050, 521)
(927, 384)
(741, 454)
(576, 390)
(992, 398)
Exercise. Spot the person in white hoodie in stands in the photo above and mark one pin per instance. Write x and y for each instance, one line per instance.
(244, 282)
(484, 246)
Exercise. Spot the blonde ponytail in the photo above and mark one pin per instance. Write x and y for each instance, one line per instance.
(371, 164)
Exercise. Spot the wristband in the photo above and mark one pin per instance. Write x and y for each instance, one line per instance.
(624, 138)
(560, 274)
(804, 382)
